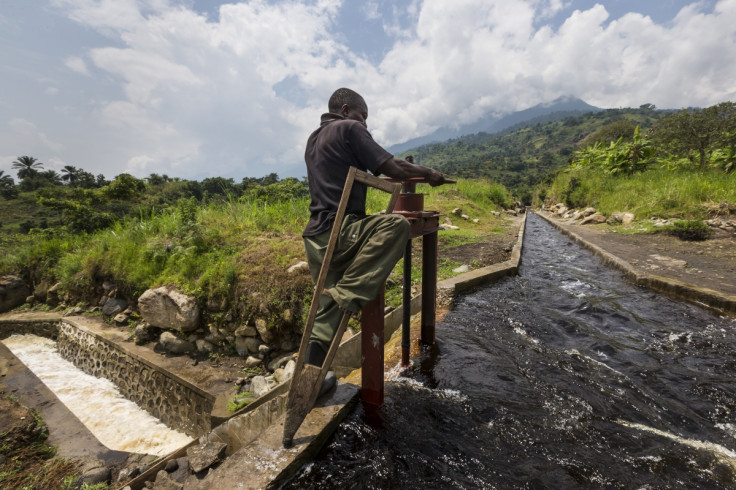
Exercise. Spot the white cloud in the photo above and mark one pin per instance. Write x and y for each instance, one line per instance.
(195, 98)
(77, 65)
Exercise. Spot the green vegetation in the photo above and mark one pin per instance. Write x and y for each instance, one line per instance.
(231, 249)
(682, 169)
(521, 157)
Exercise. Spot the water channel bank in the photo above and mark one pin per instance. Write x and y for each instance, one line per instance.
(566, 376)
(459, 288)
(698, 271)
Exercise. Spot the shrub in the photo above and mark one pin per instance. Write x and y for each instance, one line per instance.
(691, 230)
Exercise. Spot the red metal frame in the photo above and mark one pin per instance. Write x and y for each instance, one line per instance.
(424, 224)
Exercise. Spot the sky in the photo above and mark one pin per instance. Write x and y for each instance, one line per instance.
(206, 88)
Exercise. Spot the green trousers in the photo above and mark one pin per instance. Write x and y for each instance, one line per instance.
(367, 251)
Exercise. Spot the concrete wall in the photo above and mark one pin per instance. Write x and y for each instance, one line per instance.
(46, 328)
(179, 406)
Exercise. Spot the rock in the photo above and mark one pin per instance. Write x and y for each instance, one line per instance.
(215, 335)
(252, 362)
(246, 331)
(113, 306)
(171, 466)
(144, 333)
(465, 217)
(173, 344)
(298, 267)
(241, 347)
(263, 349)
(594, 219)
(495, 213)
(13, 292)
(457, 211)
(52, 295)
(619, 217)
(289, 344)
(461, 269)
(260, 385)
(562, 210)
(289, 370)
(164, 482)
(96, 476)
(449, 227)
(252, 344)
(205, 455)
(588, 212)
(476, 220)
(128, 473)
(77, 310)
(40, 291)
(510, 212)
(263, 330)
(30, 299)
(168, 308)
(204, 347)
(280, 361)
(181, 471)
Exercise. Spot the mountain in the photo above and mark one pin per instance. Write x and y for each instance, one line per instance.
(556, 110)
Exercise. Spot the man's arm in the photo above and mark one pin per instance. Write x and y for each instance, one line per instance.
(399, 169)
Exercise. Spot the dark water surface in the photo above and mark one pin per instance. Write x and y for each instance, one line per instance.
(566, 376)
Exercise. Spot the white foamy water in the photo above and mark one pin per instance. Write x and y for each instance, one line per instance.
(115, 421)
(722, 453)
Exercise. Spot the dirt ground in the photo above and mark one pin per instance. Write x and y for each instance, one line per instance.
(492, 249)
(708, 264)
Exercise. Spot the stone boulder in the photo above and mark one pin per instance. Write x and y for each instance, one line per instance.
(594, 219)
(174, 345)
(113, 306)
(166, 307)
(13, 292)
(620, 218)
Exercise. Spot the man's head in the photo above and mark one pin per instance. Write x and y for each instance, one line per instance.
(348, 104)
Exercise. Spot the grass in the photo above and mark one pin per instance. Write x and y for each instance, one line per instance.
(683, 193)
(233, 252)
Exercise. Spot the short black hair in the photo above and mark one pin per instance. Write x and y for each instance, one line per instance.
(344, 96)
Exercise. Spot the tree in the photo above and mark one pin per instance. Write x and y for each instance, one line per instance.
(27, 166)
(69, 174)
(7, 186)
(125, 186)
(699, 131)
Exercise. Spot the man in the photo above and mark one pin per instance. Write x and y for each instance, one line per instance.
(368, 247)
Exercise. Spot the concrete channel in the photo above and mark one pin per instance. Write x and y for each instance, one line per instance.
(255, 457)
(194, 399)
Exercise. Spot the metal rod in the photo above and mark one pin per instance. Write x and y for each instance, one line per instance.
(429, 286)
(406, 308)
(371, 340)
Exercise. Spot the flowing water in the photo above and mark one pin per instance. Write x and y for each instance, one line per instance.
(115, 421)
(566, 376)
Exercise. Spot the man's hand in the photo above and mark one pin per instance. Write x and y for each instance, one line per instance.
(434, 178)
(399, 169)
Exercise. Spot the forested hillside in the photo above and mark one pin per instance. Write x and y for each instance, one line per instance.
(521, 156)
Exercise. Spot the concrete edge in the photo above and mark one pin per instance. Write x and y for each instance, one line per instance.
(265, 463)
(448, 289)
(137, 357)
(710, 298)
